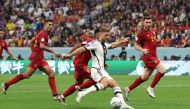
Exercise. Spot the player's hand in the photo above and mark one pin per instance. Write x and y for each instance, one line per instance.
(65, 57)
(145, 51)
(105, 66)
(126, 41)
(16, 59)
(57, 55)
(87, 70)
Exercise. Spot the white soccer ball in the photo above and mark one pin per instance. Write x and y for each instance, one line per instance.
(115, 102)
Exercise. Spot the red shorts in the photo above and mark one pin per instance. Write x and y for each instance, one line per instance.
(81, 74)
(37, 63)
(150, 62)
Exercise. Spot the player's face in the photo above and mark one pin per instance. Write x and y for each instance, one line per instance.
(147, 23)
(105, 35)
(49, 26)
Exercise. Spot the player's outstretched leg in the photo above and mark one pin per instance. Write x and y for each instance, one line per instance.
(69, 91)
(118, 93)
(81, 94)
(84, 85)
(14, 80)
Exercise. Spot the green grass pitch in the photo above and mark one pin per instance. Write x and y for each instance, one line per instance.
(171, 93)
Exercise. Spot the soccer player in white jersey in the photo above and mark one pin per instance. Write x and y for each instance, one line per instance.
(98, 49)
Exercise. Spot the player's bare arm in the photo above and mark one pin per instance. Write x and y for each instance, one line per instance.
(75, 47)
(119, 43)
(11, 54)
(32, 43)
(139, 48)
(77, 51)
(42, 46)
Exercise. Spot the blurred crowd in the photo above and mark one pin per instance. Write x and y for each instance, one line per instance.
(73, 19)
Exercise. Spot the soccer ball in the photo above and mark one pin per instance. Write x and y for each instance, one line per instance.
(115, 102)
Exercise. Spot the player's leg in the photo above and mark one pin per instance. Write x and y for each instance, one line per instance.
(78, 80)
(72, 88)
(86, 84)
(118, 93)
(98, 86)
(29, 71)
(51, 78)
(101, 83)
(161, 71)
(138, 81)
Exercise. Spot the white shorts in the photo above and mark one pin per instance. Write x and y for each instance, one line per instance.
(98, 74)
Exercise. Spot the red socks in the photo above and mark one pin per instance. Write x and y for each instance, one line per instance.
(87, 84)
(157, 77)
(52, 85)
(70, 90)
(136, 83)
(15, 79)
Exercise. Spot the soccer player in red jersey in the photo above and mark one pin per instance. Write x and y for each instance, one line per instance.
(3, 46)
(146, 43)
(82, 72)
(38, 45)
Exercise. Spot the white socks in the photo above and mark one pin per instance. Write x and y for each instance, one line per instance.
(118, 93)
(96, 87)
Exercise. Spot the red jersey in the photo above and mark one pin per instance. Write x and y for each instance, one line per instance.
(83, 58)
(37, 53)
(147, 40)
(3, 45)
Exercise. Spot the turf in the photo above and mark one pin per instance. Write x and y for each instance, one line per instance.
(171, 92)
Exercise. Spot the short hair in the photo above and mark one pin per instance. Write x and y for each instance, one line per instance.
(48, 21)
(147, 15)
(104, 29)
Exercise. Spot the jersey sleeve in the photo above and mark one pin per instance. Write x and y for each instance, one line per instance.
(91, 45)
(138, 38)
(107, 45)
(83, 43)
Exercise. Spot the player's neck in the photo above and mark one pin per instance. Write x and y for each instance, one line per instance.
(45, 30)
(99, 39)
(146, 29)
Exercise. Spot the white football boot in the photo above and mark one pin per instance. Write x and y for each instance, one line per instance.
(150, 92)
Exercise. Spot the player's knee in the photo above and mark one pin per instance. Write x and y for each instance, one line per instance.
(105, 84)
(144, 77)
(163, 71)
(26, 76)
(51, 74)
(113, 83)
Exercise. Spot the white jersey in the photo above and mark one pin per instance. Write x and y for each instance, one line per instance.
(98, 52)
